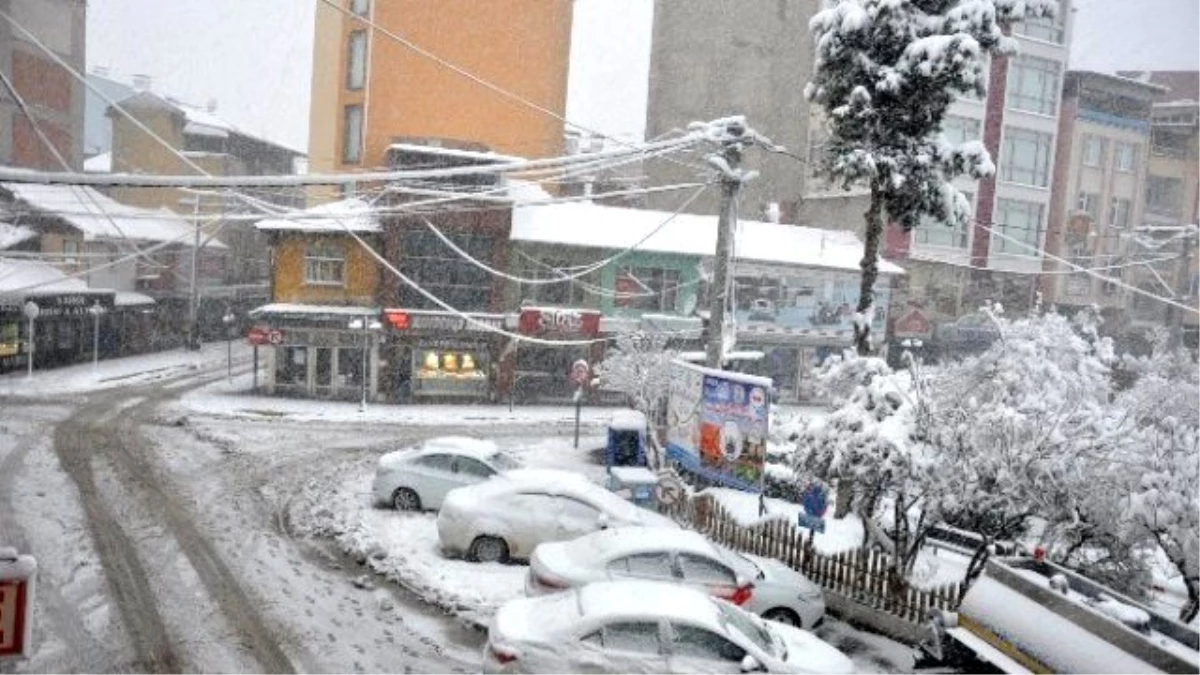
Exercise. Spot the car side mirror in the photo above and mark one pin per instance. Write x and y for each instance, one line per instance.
(602, 521)
(750, 664)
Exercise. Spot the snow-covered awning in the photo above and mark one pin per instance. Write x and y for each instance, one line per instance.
(614, 228)
(131, 299)
(28, 278)
(353, 214)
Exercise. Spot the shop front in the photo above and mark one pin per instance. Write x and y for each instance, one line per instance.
(63, 330)
(314, 351)
(436, 356)
(541, 373)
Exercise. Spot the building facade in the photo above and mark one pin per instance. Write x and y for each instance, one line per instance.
(1098, 201)
(54, 96)
(369, 89)
(713, 58)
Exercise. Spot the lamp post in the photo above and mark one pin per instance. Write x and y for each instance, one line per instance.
(366, 325)
(193, 327)
(95, 310)
(31, 311)
(228, 320)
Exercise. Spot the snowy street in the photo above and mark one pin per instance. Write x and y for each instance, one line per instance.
(176, 531)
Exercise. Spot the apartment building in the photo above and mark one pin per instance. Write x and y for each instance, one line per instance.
(1098, 197)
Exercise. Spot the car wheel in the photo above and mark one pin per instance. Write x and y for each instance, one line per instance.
(405, 499)
(784, 616)
(488, 549)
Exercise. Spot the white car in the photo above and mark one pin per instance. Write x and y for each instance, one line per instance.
(507, 516)
(647, 627)
(760, 585)
(418, 478)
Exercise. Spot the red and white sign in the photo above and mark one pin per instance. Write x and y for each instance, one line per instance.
(17, 577)
(581, 372)
(559, 321)
(913, 324)
(257, 336)
(398, 319)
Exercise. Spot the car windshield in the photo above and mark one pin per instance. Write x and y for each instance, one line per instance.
(734, 619)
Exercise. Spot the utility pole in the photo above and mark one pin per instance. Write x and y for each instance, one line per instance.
(194, 294)
(1182, 279)
(736, 137)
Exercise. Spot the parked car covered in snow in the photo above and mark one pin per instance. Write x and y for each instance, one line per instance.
(507, 516)
(418, 478)
(759, 585)
(647, 627)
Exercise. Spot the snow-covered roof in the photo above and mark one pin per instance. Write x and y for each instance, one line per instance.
(489, 157)
(131, 299)
(98, 216)
(610, 227)
(101, 163)
(16, 276)
(628, 420)
(11, 235)
(292, 308)
(353, 213)
(464, 446)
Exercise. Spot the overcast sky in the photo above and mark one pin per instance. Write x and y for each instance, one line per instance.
(254, 56)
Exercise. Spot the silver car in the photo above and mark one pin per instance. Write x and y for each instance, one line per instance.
(683, 557)
(416, 479)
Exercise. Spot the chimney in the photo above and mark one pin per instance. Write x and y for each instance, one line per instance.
(141, 83)
(211, 106)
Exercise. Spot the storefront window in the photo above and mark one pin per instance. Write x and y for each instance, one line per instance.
(324, 367)
(449, 370)
(292, 366)
(648, 288)
(349, 367)
(10, 337)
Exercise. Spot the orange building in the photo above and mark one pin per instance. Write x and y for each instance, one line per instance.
(369, 88)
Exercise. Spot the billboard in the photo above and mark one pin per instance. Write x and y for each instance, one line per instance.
(718, 423)
(822, 301)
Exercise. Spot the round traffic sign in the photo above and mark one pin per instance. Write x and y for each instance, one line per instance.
(274, 337)
(668, 491)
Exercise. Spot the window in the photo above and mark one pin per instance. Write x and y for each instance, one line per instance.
(640, 637)
(349, 366)
(1089, 203)
(1093, 151)
(699, 643)
(431, 263)
(959, 130)
(1026, 157)
(1020, 223)
(577, 513)
(647, 288)
(438, 462)
(356, 67)
(70, 251)
(360, 7)
(472, 467)
(705, 571)
(1164, 195)
(1118, 214)
(562, 294)
(642, 565)
(1126, 156)
(293, 367)
(1049, 30)
(352, 124)
(933, 232)
(324, 264)
(1033, 85)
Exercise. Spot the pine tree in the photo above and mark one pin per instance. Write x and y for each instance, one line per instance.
(886, 72)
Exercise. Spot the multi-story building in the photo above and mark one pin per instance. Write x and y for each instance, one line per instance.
(369, 88)
(714, 58)
(954, 269)
(54, 97)
(1097, 202)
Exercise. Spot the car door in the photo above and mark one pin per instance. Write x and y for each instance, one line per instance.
(432, 479)
(468, 471)
(621, 647)
(693, 649)
(651, 566)
(531, 518)
(575, 518)
(707, 575)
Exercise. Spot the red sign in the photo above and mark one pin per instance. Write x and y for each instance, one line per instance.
(257, 336)
(580, 373)
(398, 320)
(16, 603)
(559, 321)
(913, 324)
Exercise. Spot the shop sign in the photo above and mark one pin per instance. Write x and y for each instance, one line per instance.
(447, 323)
(75, 304)
(913, 324)
(559, 321)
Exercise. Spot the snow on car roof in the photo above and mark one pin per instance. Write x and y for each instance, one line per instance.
(628, 420)
(615, 599)
(622, 541)
(479, 448)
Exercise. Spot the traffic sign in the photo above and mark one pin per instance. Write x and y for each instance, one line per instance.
(668, 491)
(581, 372)
(257, 336)
(274, 337)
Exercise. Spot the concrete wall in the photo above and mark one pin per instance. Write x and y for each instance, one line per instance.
(713, 58)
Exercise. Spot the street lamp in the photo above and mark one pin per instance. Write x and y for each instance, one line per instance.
(366, 324)
(95, 310)
(228, 320)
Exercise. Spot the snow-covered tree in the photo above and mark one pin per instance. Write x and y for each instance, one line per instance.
(886, 73)
(639, 366)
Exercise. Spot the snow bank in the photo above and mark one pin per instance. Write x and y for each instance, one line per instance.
(840, 534)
